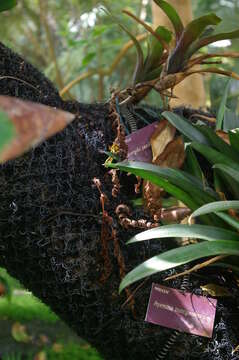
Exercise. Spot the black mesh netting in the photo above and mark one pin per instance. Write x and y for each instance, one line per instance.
(50, 223)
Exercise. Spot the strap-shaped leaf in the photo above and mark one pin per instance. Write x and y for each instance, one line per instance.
(192, 164)
(218, 143)
(229, 170)
(190, 187)
(154, 74)
(172, 15)
(140, 56)
(179, 256)
(222, 107)
(214, 156)
(215, 207)
(190, 34)
(231, 121)
(212, 39)
(234, 139)
(155, 49)
(185, 127)
(203, 232)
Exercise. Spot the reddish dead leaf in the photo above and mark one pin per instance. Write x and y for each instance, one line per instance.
(2, 290)
(152, 197)
(173, 157)
(223, 135)
(163, 134)
(33, 124)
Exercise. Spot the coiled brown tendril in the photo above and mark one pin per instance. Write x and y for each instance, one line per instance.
(123, 212)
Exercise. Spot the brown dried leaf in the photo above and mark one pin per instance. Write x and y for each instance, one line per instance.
(163, 134)
(2, 290)
(216, 290)
(173, 155)
(152, 196)
(223, 135)
(33, 124)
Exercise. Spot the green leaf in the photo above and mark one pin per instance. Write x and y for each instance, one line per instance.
(229, 170)
(229, 220)
(166, 185)
(172, 15)
(7, 4)
(226, 266)
(222, 107)
(7, 130)
(88, 58)
(164, 177)
(215, 207)
(140, 56)
(203, 232)
(231, 120)
(179, 256)
(155, 48)
(234, 139)
(214, 156)
(185, 127)
(191, 33)
(99, 30)
(193, 164)
(152, 74)
(218, 143)
(212, 39)
(112, 155)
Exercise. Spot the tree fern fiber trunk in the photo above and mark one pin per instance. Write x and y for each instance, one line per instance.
(50, 234)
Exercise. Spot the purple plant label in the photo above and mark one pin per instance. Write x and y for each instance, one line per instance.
(139, 148)
(182, 311)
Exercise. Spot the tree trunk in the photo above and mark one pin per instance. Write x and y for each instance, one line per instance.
(191, 91)
(50, 235)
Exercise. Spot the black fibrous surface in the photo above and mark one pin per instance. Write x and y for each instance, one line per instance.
(50, 223)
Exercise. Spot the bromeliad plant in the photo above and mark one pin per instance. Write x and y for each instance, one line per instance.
(167, 65)
(217, 220)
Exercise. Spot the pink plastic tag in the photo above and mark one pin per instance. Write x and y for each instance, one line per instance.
(182, 311)
(139, 148)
